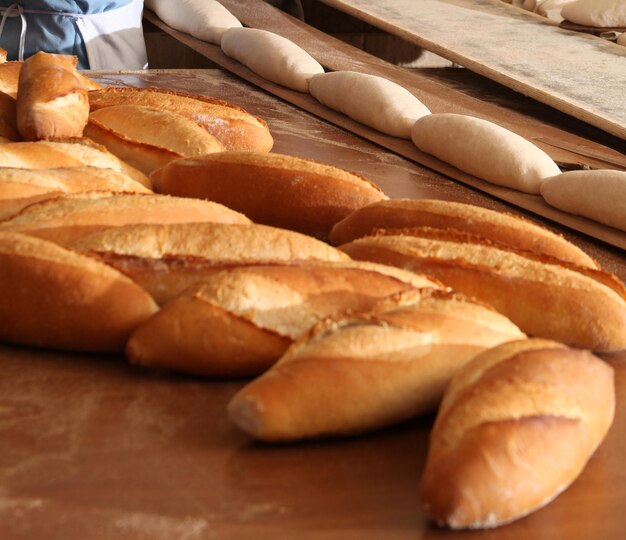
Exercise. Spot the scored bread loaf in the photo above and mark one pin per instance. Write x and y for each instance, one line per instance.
(65, 153)
(22, 187)
(51, 99)
(238, 322)
(369, 370)
(500, 227)
(56, 298)
(271, 189)
(545, 297)
(149, 138)
(167, 259)
(516, 426)
(67, 218)
(235, 128)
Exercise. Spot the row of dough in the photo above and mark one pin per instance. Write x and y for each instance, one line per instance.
(476, 146)
(596, 13)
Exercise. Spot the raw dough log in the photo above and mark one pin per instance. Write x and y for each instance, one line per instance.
(485, 150)
(271, 56)
(373, 101)
(203, 19)
(599, 195)
(598, 13)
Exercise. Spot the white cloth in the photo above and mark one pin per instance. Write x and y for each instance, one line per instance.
(114, 39)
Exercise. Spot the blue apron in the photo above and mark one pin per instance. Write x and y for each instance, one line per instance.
(103, 34)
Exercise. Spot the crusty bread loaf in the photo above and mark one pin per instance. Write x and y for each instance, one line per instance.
(65, 219)
(231, 125)
(515, 428)
(500, 227)
(272, 189)
(51, 99)
(370, 370)
(545, 297)
(22, 187)
(65, 153)
(8, 125)
(238, 322)
(56, 298)
(148, 138)
(167, 259)
(3, 55)
(9, 77)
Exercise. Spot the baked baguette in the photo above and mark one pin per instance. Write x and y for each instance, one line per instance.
(271, 189)
(167, 259)
(22, 187)
(484, 149)
(238, 322)
(500, 227)
(545, 297)
(65, 153)
(56, 298)
(369, 370)
(231, 125)
(65, 219)
(515, 428)
(51, 99)
(597, 194)
(149, 138)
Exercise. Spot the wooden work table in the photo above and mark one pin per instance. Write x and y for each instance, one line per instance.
(93, 448)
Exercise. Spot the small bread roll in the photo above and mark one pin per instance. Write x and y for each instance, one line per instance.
(65, 219)
(231, 125)
(56, 298)
(374, 101)
(516, 426)
(499, 227)
(51, 99)
(22, 187)
(271, 56)
(545, 297)
(271, 189)
(369, 370)
(167, 259)
(238, 322)
(148, 138)
(597, 194)
(485, 150)
(203, 19)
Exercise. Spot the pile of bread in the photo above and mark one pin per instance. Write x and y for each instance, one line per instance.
(476, 146)
(222, 265)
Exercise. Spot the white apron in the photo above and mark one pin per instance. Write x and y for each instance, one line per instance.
(113, 39)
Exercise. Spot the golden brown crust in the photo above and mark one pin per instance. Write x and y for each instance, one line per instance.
(65, 219)
(369, 370)
(516, 432)
(56, 298)
(232, 125)
(8, 125)
(272, 189)
(51, 99)
(501, 227)
(543, 296)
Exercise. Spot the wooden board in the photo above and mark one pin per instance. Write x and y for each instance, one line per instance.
(541, 132)
(519, 49)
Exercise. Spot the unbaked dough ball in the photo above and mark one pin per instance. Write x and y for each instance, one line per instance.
(371, 100)
(598, 194)
(598, 13)
(203, 19)
(484, 149)
(271, 56)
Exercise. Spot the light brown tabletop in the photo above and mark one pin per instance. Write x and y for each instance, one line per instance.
(91, 447)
